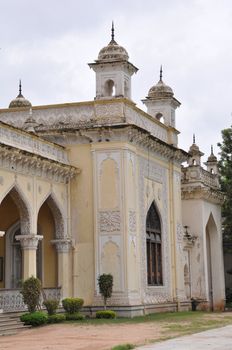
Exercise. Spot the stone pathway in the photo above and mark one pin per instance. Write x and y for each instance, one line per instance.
(215, 339)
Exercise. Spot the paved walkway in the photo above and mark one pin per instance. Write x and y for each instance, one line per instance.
(215, 339)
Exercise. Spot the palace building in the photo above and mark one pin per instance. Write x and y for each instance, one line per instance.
(99, 187)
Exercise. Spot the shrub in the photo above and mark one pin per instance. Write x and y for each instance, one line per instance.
(56, 318)
(31, 289)
(105, 314)
(123, 347)
(105, 283)
(72, 305)
(77, 316)
(34, 319)
(51, 306)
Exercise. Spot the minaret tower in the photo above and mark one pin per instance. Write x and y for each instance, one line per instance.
(161, 103)
(113, 71)
(212, 163)
(195, 154)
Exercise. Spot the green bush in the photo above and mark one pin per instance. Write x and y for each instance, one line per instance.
(72, 305)
(34, 319)
(105, 314)
(56, 318)
(51, 306)
(105, 283)
(31, 289)
(123, 347)
(77, 316)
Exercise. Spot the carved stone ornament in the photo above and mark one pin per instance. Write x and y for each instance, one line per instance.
(109, 221)
(62, 245)
(29, 242)
(132, 221)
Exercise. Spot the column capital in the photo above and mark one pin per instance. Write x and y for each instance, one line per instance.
(29, 241)
(62, 245)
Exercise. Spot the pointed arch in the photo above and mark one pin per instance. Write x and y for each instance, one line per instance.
(53, 204)
(23, 207)
(154, 247)
(213, 264)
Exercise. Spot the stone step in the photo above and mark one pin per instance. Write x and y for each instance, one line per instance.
(10, 324)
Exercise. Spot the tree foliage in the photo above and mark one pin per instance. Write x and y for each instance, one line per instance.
(225, 167)
(105, 283)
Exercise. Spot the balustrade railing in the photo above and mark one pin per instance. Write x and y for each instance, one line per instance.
(11, 299)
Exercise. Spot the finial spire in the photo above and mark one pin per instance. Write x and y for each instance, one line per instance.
(161, 72)
(112, 31)
(194, 139)
(20, 87)
(211, 149)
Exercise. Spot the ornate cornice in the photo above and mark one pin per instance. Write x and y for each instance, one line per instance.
(23, 140)
(206, 193)
(120, 133)
(21, 161)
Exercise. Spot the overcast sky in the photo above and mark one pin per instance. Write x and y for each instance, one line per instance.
(49, 43)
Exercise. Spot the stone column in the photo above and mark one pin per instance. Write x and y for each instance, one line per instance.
(29, 245)
(63, 247)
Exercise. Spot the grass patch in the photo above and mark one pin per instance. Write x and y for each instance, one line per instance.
(123, 347)
(157, 317)
(196, 318)
(198, 325)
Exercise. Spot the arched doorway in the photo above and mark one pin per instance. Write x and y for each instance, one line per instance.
(213, 264)
(51, 227)
(14, 219)
(154, 247)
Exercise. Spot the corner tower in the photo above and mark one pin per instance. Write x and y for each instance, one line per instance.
(161, 103)
(113, 71)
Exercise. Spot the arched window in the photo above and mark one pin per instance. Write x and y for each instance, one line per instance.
(154, 247)
(109, 88)
(160, 117)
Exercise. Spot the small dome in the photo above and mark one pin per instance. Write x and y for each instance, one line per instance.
(20, 100)
(113, 51)
(194, 149)
(160, 90)
(212, 158)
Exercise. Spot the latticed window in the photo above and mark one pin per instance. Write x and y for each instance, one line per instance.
(154, 248)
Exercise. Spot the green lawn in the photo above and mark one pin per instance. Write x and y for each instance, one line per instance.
(173, 324)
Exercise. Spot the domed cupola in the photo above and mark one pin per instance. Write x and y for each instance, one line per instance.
(160, 90)
(113, 71)
(161, 102)
(212, 163)
(113, 51)
(195, 154)
(20, 101)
